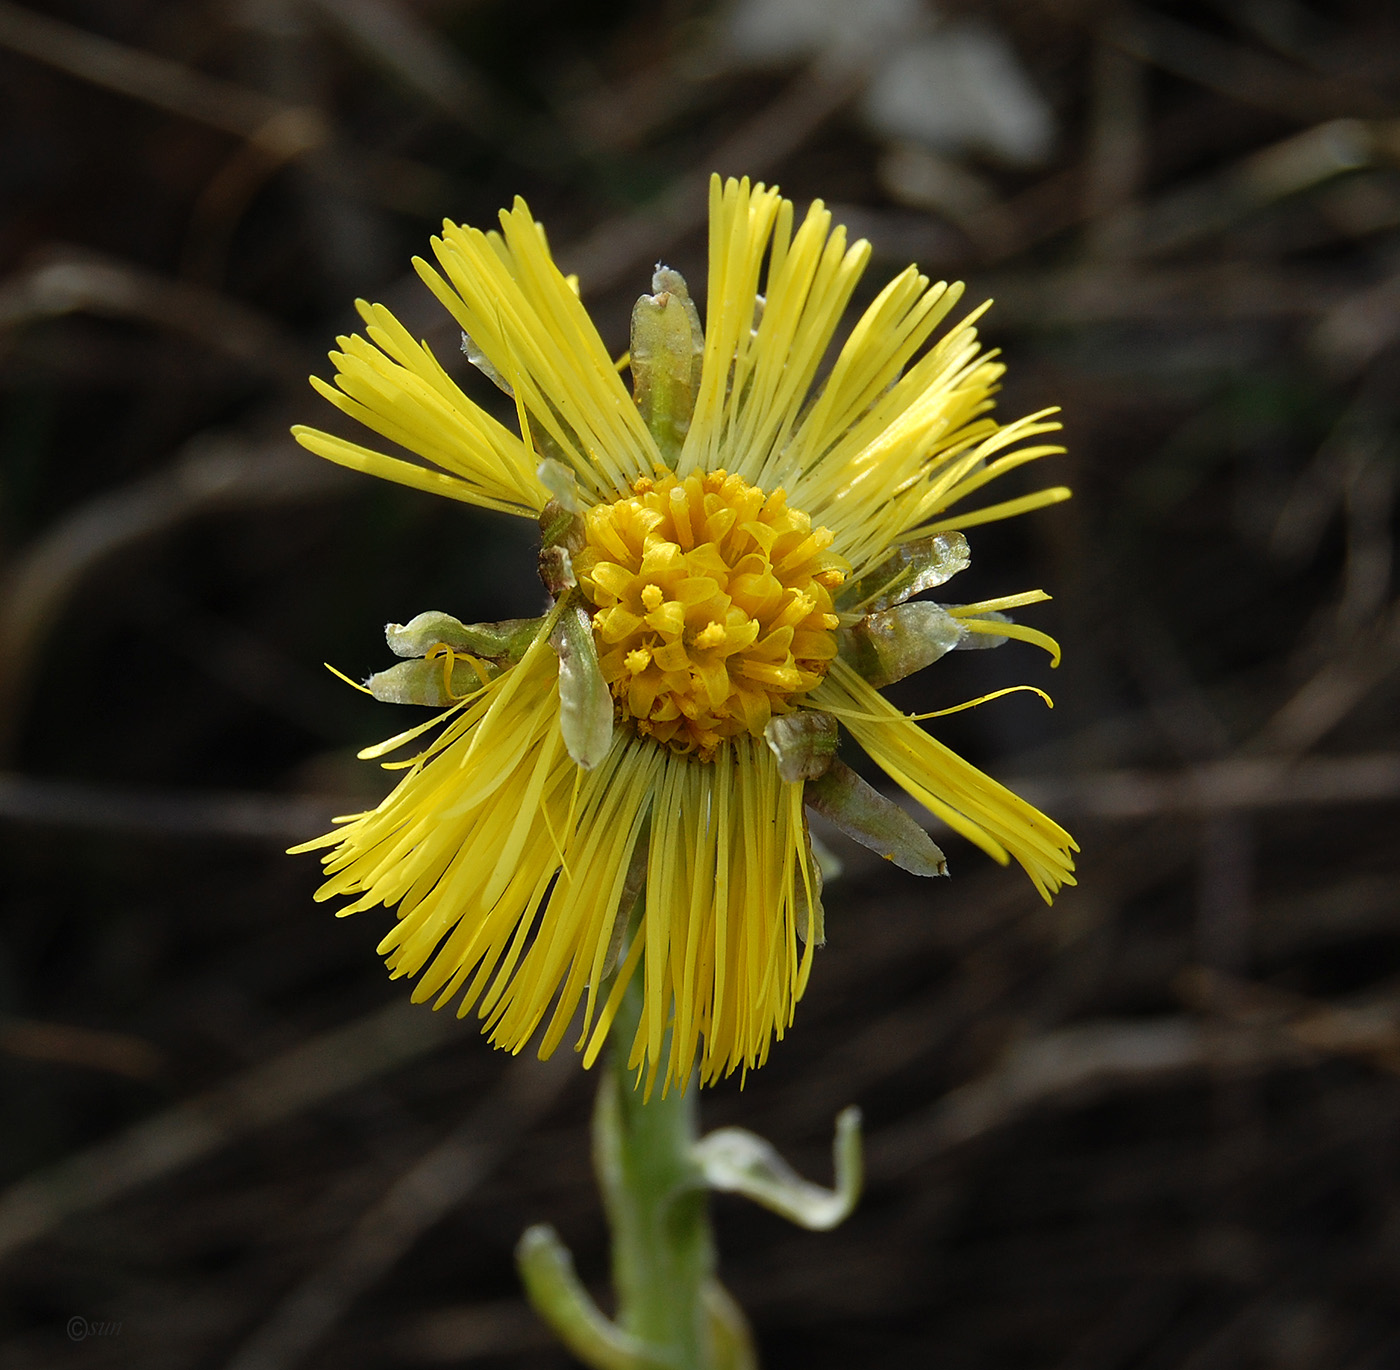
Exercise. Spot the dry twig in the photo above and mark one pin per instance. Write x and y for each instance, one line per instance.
(420, 1197)
(282, 129)
(73, 281)
(211, 475)
(310, 1073)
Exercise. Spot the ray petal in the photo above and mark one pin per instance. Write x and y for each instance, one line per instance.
(972, 803)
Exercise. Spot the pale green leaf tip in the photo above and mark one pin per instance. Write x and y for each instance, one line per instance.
(561, 483)
(585, 702)
(556, 1294)
(737, 1161)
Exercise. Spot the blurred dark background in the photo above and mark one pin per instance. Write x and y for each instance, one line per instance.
(1154, 1127)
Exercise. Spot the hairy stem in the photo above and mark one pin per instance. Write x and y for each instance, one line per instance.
(657, 1205)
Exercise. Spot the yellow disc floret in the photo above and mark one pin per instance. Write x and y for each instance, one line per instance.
(713, 605)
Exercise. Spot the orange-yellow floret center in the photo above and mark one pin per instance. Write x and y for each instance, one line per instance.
(712, 604)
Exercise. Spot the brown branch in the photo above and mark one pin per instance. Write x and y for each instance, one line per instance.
(1042, 1068)
(316, 1070)
(168, 813)
(1253, 1027)
(418, 1199)
(213, 474)
(1367, 1029)
(1359, 327)
(159, 81)
(1241, 782)
(1242, 74)
(615, 247)
(457, 1334)
(1328, 696)
(395, 38)
(1107, 292)
(72, 282)
(1216, 202)
(64, 1044)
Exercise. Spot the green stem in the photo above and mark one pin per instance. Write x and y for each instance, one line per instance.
(657, 1205)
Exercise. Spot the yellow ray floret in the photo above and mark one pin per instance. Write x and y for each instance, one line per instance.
(516, 305)
(397, 388)
(507, 867)
(971, 803)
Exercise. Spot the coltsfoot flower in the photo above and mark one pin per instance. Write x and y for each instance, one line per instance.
(731, 550)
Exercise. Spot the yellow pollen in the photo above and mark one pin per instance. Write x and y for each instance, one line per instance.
(712, 606)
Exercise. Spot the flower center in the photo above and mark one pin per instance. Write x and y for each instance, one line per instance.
(713, 605)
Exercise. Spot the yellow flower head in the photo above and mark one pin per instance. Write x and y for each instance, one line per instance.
(732, 550)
